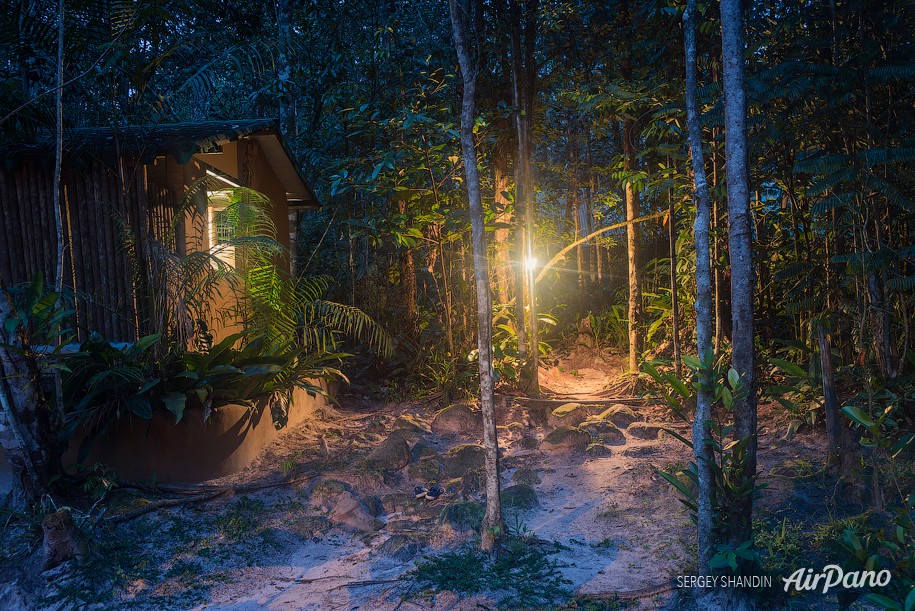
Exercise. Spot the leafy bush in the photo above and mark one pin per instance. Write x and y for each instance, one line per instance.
(103, 383)
(880, 412)
(610, 327)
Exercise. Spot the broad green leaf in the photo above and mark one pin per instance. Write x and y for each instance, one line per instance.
(175, 402)
(858, 415)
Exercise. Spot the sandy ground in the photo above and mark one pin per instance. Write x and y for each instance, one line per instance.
(620, 526)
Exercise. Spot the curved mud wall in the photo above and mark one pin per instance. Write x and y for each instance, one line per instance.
(191, 451)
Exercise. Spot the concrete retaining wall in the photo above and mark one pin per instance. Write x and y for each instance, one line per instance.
(190, 451)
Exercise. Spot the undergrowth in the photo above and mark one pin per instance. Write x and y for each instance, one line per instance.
(524, 576)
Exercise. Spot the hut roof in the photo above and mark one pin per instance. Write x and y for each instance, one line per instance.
(180, 140)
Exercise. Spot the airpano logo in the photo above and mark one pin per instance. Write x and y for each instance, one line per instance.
(833, 576)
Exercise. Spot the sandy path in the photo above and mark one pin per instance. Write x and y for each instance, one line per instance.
(619, 525)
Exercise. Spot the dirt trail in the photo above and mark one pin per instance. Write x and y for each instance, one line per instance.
(581, 374)
(619, 525)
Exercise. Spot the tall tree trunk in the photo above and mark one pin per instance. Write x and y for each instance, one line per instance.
(743, 356)
(58, 152)
(834, 429)
(503, 264)
(632, 213)
(408, 284)
(523, 86)
(702, 436)
(632, 254)
(493, 525)
(674, 293)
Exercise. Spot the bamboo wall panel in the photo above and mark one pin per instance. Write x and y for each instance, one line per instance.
(98, 212)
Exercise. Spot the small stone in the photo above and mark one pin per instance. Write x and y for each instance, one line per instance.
(402, 547)
(526, 476)
(412, 423)
(520, 496)
(391, 454)
(459, 460)
(457, 419)
(408, 435)
(619, 414)
(570, 414)
(525, 443)
(565, 439)
(598, 450)
(350, 513)
(644, 431)
(606, 431)
(640, 452)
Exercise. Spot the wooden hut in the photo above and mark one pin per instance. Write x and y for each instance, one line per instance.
(122, 185)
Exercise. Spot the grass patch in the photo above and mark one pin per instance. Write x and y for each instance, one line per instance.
(523, 576)
(241, 520)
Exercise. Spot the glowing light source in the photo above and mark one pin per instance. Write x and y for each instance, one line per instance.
(530, 264)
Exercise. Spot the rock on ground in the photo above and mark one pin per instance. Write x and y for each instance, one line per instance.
(463, 458)
(62, 539)
(598, 450)
(641, 430)
(619, 414)
(457, 419)
(391, 454)
(566, 439)
(412, 423)
(570, 414)
(403, 546)
(606, 432)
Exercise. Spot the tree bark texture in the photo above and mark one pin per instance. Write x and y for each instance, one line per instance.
(493, 525)
(740, 227)
(702, 448)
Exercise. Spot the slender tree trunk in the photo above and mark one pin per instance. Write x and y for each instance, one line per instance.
(702, 437)
(523, 84)
(56, 190)
(408, 283)
(674, 293)
(834, 429)
(493, 526)
(743, 356)
(632, 212)
(58, 152)
(503, 262)
(632, 254)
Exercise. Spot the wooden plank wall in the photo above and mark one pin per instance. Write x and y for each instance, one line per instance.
(101, 214)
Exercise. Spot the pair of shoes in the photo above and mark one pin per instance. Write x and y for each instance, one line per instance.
(434, 491)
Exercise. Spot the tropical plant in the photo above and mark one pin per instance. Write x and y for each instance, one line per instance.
(800, 391)
(731, 484)
(507, 361)
(105, 383)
